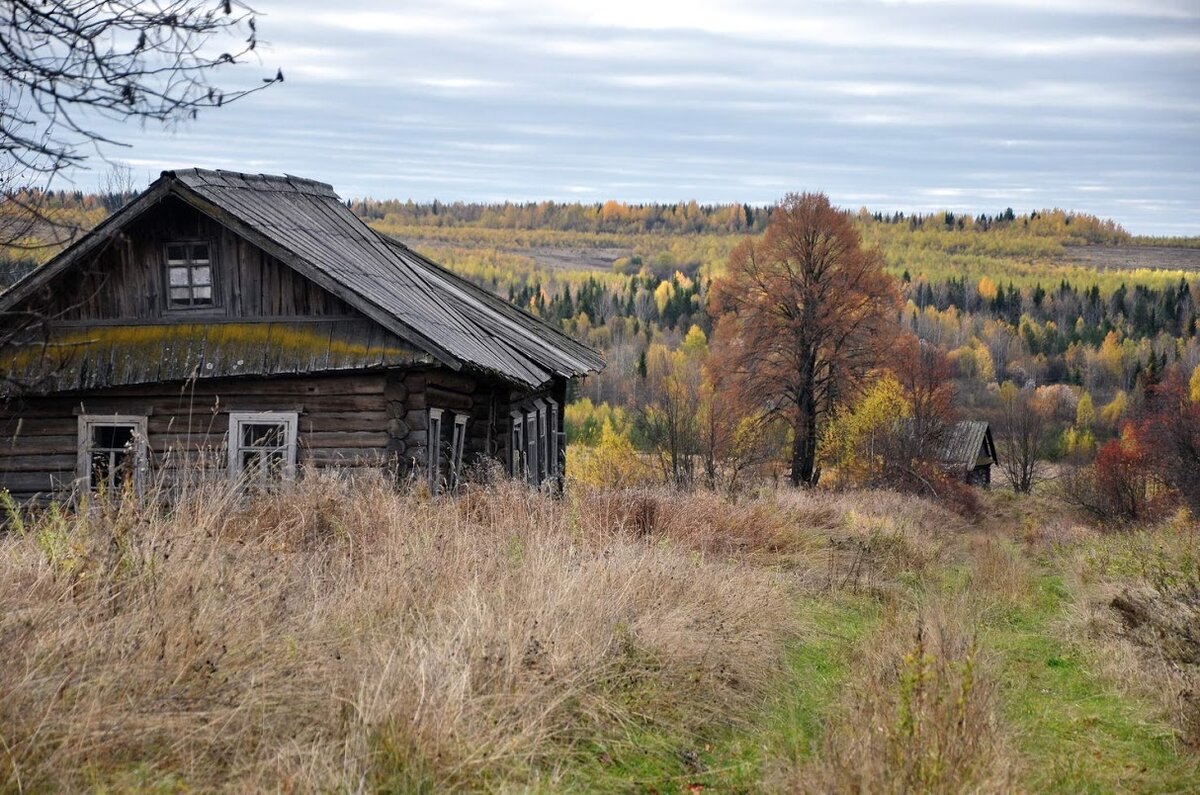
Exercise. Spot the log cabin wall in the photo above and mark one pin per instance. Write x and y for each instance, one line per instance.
(485, 401)
(472, 395)
(109, 343)
(343, 422)
(353, 420)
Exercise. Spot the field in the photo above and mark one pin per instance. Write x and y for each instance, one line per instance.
(1159, 258)
(343, 636)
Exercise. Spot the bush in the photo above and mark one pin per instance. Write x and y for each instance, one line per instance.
(1121, 484)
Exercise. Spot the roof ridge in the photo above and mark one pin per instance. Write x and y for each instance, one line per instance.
(222, 178)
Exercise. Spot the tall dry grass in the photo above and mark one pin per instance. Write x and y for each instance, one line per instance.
(1140, 611)
(922, 715)
(341, 635)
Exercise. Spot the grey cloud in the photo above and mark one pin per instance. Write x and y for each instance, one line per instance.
(913, 105)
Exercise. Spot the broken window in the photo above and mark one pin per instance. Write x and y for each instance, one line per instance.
(112, 451)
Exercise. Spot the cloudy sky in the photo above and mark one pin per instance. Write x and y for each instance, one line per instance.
(967, 105)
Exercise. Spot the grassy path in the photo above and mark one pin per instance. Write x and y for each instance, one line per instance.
(1074, 731)
(1061, 725)
(1054, 722)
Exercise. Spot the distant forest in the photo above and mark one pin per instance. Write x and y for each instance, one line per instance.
(1002, 294)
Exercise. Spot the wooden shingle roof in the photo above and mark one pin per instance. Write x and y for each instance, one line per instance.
(306, 225)
(966, 442)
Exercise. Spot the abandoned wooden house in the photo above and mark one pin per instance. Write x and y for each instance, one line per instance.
(968, 451)
(255, 323)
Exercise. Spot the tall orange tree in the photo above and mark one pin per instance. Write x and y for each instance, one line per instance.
(802, 316)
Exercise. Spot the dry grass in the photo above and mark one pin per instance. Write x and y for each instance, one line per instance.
(1141, 613)
(855, 540)
(339, 635)
(921, 717)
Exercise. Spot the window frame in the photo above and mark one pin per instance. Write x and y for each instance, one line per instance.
(532, 448)
(215, 302)
(543, 439)
(458, 441)
(552, 424)
(234, 439)
(516, 440)
(84, 450)
(433, 449)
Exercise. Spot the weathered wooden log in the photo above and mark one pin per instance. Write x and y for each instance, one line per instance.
(395, 389)
(453, 382)
(440, 398)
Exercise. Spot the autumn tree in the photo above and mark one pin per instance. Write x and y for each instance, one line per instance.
(801, 317)
(668, 416)
(1021, 424)
(895, 434)
(924, 375)
(1170, 424)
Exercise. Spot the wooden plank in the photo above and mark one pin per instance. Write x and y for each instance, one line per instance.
(349, 384)
(344, 421)
(38, 426)
(29, 482)
(356, 439)
(339, 456)
(452, 382)
(439, 398)
(60, 462)
(38, 445)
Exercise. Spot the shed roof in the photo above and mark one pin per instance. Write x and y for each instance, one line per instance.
(305, 224)
(964, 440)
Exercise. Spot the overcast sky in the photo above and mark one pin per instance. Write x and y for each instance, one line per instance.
(1091, 105)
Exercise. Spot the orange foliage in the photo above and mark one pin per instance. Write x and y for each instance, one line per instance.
(802, 315)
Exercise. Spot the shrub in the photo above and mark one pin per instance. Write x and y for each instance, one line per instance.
(1121, 484)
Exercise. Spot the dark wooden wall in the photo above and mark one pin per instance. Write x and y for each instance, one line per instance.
(377, 419)
(127, 281)
(343, 422)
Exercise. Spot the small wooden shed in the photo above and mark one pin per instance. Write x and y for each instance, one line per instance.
(968, 450)
(253, 322)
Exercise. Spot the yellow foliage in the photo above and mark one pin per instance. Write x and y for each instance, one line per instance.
(662, 294)
(1079, 441)
(1194, 385)
(850, 437)
(611, 463)
(1115, 410)
(984, 364)
(585, 421)
(1085, 412)
(695, 343)
(987, 288)
(1110, 355)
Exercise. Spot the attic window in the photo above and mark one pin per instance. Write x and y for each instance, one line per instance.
(189, 275)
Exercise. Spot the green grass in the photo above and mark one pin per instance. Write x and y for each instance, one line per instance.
(1074, 731)
(791, 725)
(786, 732)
